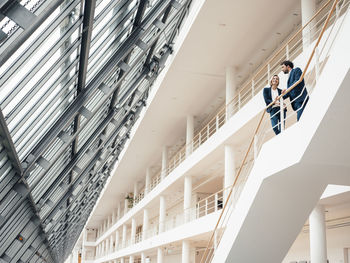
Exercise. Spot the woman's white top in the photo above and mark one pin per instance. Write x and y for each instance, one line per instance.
(274, 95)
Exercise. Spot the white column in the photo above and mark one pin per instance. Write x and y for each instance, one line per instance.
(148, 181)
(160, 255)
(117, 239)
(105, 225)
(124, 235)
(346, 255)
(107, 246)
(189, 134)
(83, 246)
(308, 9)
(145, 224)
(111, 240)
(231, 90)
(164, 162)
(185, 251)
(131, 259)
(75, 255)
(122, 260)
(133, 230)
(318, 241)
(113, 217)
(136, 191)
(103, 248)
(162, 209)
(119, 211)
(229, 169)
(143, 257)
(126, 203)
(187, 197)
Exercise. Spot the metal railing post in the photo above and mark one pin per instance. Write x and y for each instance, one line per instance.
(282, 114)
(206, 206)
(317, 64)
(239, 100)
(255, 146)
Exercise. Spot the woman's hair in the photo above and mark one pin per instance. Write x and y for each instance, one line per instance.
(272, 79)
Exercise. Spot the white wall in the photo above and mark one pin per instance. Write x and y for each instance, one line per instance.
(173, 258)
(337, 240)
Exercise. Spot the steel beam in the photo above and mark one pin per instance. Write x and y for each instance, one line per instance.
(83, 97)
(89, 13)
(5, 136)
(12, 48)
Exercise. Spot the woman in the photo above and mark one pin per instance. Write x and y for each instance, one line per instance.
(270, 94)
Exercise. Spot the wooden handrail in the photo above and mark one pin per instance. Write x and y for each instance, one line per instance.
(257, 73)
(260, 121)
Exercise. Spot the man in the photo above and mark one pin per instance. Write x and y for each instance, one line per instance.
(298, 96)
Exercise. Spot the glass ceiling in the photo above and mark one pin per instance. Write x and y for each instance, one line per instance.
(74, 76)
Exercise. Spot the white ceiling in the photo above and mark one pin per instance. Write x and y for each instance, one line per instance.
(225, 33)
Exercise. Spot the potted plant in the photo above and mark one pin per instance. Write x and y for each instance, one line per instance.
(130, 198)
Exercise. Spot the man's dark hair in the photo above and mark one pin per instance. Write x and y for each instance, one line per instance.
(288, 63)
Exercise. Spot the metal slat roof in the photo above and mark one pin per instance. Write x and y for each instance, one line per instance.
(74, 77)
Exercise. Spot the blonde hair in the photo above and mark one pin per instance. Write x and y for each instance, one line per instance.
(272, 79)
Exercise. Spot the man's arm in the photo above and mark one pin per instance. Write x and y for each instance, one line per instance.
(297, 74)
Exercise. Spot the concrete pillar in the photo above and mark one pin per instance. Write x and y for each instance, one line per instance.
(318, 241)
(136, 190)
(143, 257)
(126, 204)
(145, 224)
(83, 252)
(346, 255)
(162, 210)
(231, 90)
(107, 246)
(124, 236)
(133, 230)
(148, 181)
(103, 248)
(160, 256)
(187, 197)
(189, 134)
(119, 211)
(229, 169)
(117, 240)
(111, 241)
(131, 259)
(164, 162)
(185, 251)
(308, 9)
(113, 216)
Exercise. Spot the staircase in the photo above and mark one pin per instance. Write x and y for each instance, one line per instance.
(273, 196)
